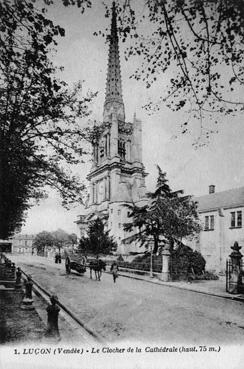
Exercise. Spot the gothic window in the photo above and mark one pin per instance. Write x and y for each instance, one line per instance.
(101, 149)
(121, 149)
(93, 193)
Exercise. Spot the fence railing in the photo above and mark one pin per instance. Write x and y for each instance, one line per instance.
(234, 277)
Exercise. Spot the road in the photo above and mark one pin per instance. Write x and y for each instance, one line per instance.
(140, 311)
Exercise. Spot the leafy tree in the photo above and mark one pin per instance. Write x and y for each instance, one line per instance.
(72, 238)
(58, 238)
(81, 4)
(39, 130)
(167, 214)
(183, 258)
(98, 240)
(199, 43)
(42, 240)
(62, 239)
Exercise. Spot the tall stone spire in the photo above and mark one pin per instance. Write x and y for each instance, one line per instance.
(113, 95)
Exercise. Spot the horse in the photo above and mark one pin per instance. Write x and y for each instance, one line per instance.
(97, 266)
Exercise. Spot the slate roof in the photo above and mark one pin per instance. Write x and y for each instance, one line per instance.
(225, 199)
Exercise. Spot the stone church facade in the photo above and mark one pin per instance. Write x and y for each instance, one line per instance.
(117, 175)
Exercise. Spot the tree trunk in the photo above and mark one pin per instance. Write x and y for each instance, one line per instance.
(155, 249)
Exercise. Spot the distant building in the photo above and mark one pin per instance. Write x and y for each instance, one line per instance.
(117, 176)
(23, 243)
(221, 214)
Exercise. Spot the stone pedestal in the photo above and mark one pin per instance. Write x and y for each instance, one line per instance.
(52, 318)
(165, 275)
(235, 280)
(27, 304)
(18, 282)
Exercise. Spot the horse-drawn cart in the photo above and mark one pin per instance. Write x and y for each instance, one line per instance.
(74, 261)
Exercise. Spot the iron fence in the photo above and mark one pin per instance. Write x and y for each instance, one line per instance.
(234, 277)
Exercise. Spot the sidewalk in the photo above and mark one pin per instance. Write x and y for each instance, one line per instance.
(212, 288)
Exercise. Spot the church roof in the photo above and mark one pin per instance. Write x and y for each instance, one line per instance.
(225, 199)
(113, 82)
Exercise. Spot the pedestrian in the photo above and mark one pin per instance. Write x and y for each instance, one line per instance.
(190, 273)
(52, 318)
(114, 269)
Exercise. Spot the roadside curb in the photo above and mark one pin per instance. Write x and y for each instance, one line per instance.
(67, 315)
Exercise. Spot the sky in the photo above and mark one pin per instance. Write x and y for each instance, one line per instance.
(84, 57)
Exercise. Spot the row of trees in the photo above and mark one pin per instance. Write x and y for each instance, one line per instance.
(57, 239)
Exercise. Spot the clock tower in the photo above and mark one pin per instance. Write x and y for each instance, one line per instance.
(117, 175)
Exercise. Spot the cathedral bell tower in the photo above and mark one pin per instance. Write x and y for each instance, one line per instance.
(113, 95)
(117, 176)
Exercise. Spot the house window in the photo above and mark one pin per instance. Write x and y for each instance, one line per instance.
(239, 219)
(236, 219)
(119, 225)
(233, 219)
(206, 227)
(118, 212)
(209, 223)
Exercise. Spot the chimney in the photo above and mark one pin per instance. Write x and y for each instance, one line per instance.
(211, 189)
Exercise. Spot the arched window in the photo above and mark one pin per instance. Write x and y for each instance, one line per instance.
(101, 149)
(121, 149)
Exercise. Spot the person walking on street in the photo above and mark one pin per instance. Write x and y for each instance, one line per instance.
(114, 269)
(190, 273)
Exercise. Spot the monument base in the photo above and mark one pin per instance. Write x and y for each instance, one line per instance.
(165, 276)
(27, 304)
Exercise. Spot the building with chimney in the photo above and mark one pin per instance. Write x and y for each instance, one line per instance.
(117, 175)
(221, 215)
